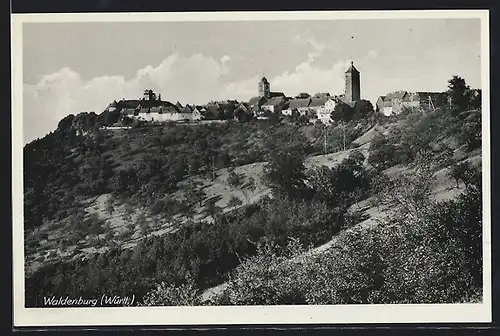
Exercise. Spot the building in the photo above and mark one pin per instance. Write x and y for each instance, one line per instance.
(168, 112)
(196, 113)
(112, 106)
(317, 104)
(256, 101)
(274, 104)
(242, 112)
(326, 110)
(151, 108)
(395, 102)
(317, 107)
(264, 88)
(149, 95)
(300, 106)
(352, 84)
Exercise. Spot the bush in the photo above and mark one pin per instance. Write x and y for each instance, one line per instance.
(342, 185)
(425, 252)
(173, 295)
(268, 278)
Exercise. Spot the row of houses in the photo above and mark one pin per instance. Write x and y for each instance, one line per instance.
(319, 106)
(395, 102)
(157, 110)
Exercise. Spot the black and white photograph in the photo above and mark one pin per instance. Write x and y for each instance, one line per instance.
(259, 167)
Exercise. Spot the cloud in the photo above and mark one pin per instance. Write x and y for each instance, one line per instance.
(194, 79)
(312, 79)
(373, 54)
(225, 58)
(318, 49)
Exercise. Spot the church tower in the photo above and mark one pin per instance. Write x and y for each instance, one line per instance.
(352, 86)
(264, 88)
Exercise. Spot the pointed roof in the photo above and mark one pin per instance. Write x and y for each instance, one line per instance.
(352, 68)
(276, 94)
(300, 102)
(274, 101)
(264, 80)
(129, 103)
(316, 102)
(395, 95)
(256, 100)
(186, 109)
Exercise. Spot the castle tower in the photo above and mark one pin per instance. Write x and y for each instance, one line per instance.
(264, 88)
(352, 86)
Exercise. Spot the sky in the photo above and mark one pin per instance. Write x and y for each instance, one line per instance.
(82, 66)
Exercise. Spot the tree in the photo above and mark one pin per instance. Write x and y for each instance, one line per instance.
(342, 112)
(475, 98)
(248, 188)
(143, 223)
(211, 209)
(194, 193)
(128, 212)
(466, 173)
(94, 224)
(362, 109)
(470, 132)
(355, 158)
(65, 124)
(127, 121)
(110, 208)
(234, 179)
(458, 93)
(234, 202)
(285, 173)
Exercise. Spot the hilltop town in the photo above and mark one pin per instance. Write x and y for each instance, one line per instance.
(317, 107)
(207, 204)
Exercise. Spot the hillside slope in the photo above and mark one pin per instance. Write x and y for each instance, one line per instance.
(160, 203)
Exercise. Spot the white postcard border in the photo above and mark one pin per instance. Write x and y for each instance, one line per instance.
(421, 313)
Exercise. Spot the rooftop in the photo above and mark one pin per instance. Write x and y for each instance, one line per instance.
(318, 102)
(352, 68)
(298, 103)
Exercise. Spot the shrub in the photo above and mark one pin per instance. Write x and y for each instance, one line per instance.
(173, 295)
(268, 278)
(426, 252)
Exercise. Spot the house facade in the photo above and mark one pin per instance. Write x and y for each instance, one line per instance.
(326, 110)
